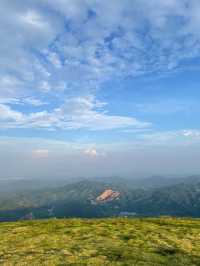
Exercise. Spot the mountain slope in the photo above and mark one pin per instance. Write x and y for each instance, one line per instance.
(74, 200)
(97, 242)
(81, 199)
(178, 200)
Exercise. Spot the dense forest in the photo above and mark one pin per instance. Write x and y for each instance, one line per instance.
(79, 199)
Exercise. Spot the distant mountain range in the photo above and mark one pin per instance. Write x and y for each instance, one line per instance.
(103, 197)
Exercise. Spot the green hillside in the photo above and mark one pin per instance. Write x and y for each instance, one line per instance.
(79, 200)
(119, 241)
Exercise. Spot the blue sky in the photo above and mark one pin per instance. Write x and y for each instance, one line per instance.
(100, 78)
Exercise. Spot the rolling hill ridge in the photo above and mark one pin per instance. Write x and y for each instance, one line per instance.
(96, 198)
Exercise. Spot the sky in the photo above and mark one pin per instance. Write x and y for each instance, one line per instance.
(91, 88)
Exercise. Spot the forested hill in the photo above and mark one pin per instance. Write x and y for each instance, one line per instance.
(100, 198)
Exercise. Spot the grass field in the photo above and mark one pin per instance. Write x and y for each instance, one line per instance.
(120, 241)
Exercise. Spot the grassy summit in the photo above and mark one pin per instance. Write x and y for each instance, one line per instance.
(120, 241)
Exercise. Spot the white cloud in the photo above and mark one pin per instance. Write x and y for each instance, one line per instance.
(191, 133)
(83, 112)
(76, 113)
(93, 153)
(32, 18)
(40, 154)
(8, 115)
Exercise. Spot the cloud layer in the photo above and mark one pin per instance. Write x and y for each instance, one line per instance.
(75, 113)
(52, 52)
(96, 76)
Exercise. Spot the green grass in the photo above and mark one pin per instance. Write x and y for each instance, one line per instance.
(120, 241)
